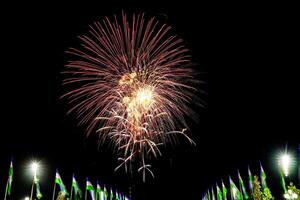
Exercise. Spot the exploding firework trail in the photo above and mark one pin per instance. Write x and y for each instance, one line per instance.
(131, 84)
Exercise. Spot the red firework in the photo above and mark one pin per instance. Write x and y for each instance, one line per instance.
(132, 84)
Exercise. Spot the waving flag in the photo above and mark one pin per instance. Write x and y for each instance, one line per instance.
(234, 191)
(242, 186)
(90, 187)
(263, 177)
(219, 193)
(224, 190)
(59, 181)
(37, 186)
(251, 181)
(10, 178)
(75, 186)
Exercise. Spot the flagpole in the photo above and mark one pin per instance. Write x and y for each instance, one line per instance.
(54, 188)
(85, 195)
(240, 187)
(299, 165)
(71, 191)
(6, 188)
(96, 192)
(31, 194)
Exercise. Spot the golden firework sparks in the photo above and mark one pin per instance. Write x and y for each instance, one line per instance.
(132, 84)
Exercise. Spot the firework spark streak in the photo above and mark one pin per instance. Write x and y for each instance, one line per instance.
(131, 83)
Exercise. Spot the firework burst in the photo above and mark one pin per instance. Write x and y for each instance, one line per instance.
(131, 83)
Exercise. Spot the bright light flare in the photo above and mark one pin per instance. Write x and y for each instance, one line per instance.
(145, 97)
(34, 167)
(285, 162)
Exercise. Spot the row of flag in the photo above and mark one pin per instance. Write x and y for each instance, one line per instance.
(236, 192)
(98, 193)
(91, 192)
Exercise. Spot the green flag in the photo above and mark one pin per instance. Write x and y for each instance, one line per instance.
(10, 178)
(251, 181)
(77, 190)
(263, 178)
(59, 181)
(234, 191)
(111, 196)
(282, 180)
(224, 190)
(242, 186)
(90, 187)
(37, 186)
(99, 193)
(219, 193)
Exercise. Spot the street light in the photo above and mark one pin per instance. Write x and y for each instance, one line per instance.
(34, 167)
(285, 162)
(27, 198)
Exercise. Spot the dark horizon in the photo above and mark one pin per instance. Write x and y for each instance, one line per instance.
(246, 56)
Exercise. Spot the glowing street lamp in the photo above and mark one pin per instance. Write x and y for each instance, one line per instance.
(34, 168)
(27, 198)
(285, 162)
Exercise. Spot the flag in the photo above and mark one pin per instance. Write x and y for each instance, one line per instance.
(10, 178)
(77, 190)
(219, 193)
(105, 193)
(234, 191)
(90, 187)
(224, 190)
(282, 180)
(99, 193)
(263, 177)
(251, 181)
(118, 196)
(111, 196)
(37, 186)
(59, 181)
(242, 186)
(123, 197)
(209, 197)
(205, 197)
(212, 194)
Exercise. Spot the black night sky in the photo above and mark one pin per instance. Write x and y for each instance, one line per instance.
(245, 53)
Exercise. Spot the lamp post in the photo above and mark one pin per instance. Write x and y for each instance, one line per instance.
(285, 161)
(299, 165)
(34, 168)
